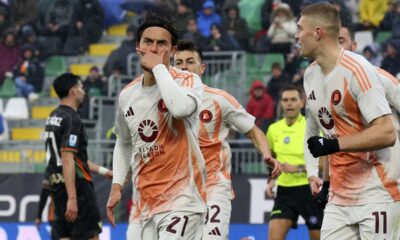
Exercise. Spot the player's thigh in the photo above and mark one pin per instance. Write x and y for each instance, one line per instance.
(308, 209)
(134, 231)
(88, 224)
(278, 228)
(173, 226)
(381, 221)
(180, 226)
(62, 228)
(336, 225)
(217, 219)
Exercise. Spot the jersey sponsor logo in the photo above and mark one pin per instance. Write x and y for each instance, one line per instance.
(286, 140)
(130, 112)
(54, 121)
(215, 232)
(311, 96)
(206, 116)
(72, 140)
(325, 118)
(336, 97)
(161, 106)
(153, 151)
(148, 130)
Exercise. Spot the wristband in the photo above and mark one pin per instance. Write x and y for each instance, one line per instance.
(102, 170)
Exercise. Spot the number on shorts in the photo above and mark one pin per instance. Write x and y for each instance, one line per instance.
(376, 215)
(176, 220)
(214, 217)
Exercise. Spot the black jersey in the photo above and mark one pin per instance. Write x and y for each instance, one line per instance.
(65, 132)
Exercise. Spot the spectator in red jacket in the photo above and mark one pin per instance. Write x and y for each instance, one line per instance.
(261, 105)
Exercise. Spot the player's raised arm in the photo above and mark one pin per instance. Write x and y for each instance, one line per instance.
(178, 101)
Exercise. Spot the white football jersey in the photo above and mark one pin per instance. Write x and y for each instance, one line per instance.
(220, 111)
(168, 169)
(342, 103)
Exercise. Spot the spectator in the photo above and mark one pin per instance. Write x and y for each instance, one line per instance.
(24, 12)
(90, 21)
(94, 86)
(282, 30)
(345, 14)
(220, 41)
(29, 38)
(391, 21)
(261, 105)
(391, 60)
(298, 78)
(60, 19)
(10, 53)
(371, 54)
(183, 15)
(207, 17)
(277, 82)
(266, 10)
(4, 20)
(293, 61)
(29, 75)
(371, 14)
(236, 26)
(120, 55)
(194, 35)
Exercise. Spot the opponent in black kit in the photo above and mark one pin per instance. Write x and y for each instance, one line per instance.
(77, 214)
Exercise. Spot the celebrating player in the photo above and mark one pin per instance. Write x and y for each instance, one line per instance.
(392, 92)
(157, 128)
(346, 101)
(219, 112)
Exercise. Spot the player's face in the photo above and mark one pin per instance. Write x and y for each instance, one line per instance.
(154, 39)
(305, 37)
(345, 40)
(189, 61)
(79, 93)
(291, 103)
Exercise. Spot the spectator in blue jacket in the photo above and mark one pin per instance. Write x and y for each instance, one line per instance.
(207, 17)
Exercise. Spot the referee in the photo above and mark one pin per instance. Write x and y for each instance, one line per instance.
(293, 197)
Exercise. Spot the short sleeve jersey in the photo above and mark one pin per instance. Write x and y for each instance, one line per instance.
(168, 170)
(287, 142)
(219, 112)
(344, 102)
(64, 131)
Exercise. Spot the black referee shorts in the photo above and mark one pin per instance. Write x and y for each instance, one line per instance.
(292, 202)
(88, 223)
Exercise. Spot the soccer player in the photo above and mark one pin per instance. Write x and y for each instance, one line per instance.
(76, 212)
(392, 92)
(219, 112)
(157, 128)
(346, 101)
(293, 197)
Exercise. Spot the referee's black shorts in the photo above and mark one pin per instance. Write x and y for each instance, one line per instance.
(290, 202)
(88, 223)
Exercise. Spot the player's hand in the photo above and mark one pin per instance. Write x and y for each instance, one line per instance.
(315, 184)
(320, 146)
(113, 200)
(38, 221)
(322, 197)
(275, 165)
(72, 210)
(269, 191)
(151, 59)
(109, 174)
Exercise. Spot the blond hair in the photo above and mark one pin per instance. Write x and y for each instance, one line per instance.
(326, 14)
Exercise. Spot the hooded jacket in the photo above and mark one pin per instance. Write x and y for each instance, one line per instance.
(262, 108)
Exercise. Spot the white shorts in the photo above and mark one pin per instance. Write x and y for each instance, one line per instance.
(134, 231)
(217, 219)
(372, 221)
(174, 226)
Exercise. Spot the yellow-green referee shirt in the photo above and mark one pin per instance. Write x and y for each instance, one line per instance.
(287, 143)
